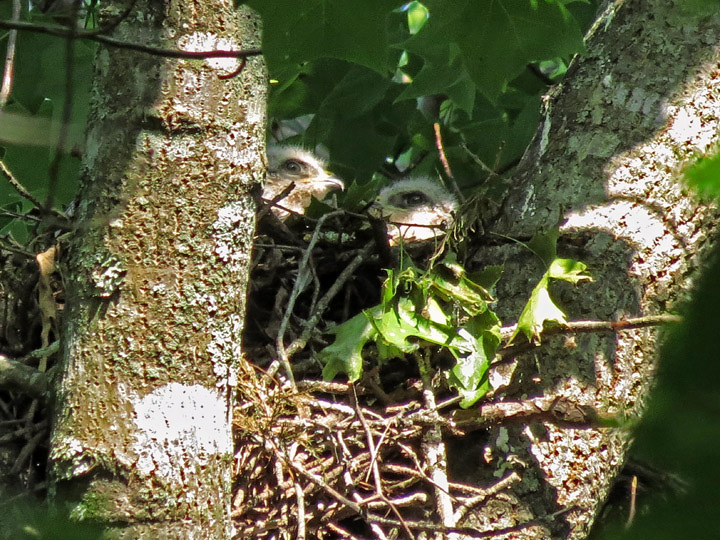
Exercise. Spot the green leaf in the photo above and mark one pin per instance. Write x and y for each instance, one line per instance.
(469, 376)
(499, 38)
(357, 196)
(540, 308)
(544, 245)
(568, 270)
(469, 296)
(704, 175)
(417, 15)
(344, 354)
(403, 325)
(443, 73)
(488, 276)
(296, 32)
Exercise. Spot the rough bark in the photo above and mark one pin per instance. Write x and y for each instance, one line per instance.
(605, 164)
(157, 276)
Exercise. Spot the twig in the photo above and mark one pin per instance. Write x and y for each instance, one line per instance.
(22, 378)
(374, 465)
(27, 451)
(444, 160)
(434, 446)
(320, 483)
(586, 327)
(477, 159)
(300, 499)
(553, 409)
(40, 354)
(441, 150)
(67, 106)
(7, 78)
(17, 186)
(633, 502)
(335, 288)
(61, 31)
(470, 502)
(298, 288)
(469, 532)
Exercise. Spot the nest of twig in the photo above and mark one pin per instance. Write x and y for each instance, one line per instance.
(335, 459)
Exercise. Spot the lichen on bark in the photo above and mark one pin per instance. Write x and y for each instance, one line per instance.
(157, 274)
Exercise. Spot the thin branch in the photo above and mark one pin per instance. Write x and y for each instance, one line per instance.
(434, 446)
(586, 327)
(17, 186)
(374, 464)
(61, 31)
(441, 150)
(313, 321)
(7, 78)
(67, 106)
(19, 377)
(298, 288)
(470, 502)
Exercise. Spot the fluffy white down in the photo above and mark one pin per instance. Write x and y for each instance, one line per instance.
(416, 209)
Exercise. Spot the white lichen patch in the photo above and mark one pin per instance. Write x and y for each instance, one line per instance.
(230, 239)
(224, 349)
(231, 148)
(178, 426)
(204, 42)
(107, 275)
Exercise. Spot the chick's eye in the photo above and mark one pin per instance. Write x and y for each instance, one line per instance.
(413, 199)
(292, 166)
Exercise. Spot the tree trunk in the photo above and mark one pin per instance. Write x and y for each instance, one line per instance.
(157, 275)
(605, 164)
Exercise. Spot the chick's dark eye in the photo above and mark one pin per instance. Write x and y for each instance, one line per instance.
(292, 166)
(413, 199)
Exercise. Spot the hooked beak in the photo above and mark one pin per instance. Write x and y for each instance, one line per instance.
(334, 182)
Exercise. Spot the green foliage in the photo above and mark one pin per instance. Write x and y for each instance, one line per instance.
(493, 41)
(30, 125)
(540, 308)
(704, 175)
(375, 76)
(30, 520)
(439, 307)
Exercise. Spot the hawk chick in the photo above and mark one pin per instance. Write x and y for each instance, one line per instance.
(288, 165)
(416, 208)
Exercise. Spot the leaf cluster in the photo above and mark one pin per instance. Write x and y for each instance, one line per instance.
(441, 307)
(369, 80)
(446, 310)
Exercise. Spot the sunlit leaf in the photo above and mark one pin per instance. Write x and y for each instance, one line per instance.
(344, 354)
(540, 308)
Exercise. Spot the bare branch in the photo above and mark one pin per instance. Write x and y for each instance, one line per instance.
(61, 31)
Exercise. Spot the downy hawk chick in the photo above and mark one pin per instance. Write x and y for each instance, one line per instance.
(416, 209)
(288, 165)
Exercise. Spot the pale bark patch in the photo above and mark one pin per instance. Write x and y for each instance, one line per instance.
(178, 425)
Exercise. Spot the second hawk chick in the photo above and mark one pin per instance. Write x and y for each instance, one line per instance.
(416, 209)
(288, 165)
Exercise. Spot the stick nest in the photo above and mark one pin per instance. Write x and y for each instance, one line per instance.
(324, 459)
